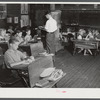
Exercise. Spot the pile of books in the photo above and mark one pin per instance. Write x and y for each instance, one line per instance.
(54, 76)
(57, 74)
(42, 83)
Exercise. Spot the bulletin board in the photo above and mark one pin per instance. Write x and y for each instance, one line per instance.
(24, 20)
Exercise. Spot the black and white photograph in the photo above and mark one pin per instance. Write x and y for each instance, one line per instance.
(50, 45)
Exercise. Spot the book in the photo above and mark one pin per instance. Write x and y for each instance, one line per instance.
(42, 83)
(57, 74)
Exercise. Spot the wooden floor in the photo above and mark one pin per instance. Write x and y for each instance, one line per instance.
(81, 71)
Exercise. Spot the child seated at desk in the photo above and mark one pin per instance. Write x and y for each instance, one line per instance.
(28, 36)
(97, 35)
(90, 35)
(69, 31)
(81, 34)
(14, 57)
(10, 30)
(18, 36)
(70, 34)
(3, 35)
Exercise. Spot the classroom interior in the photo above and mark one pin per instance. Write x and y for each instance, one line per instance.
(77, 46)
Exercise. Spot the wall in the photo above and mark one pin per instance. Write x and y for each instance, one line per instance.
(14, 10)
(37, 14)
(83, 14)
(2, 15)
(2, 23)
(90, 18)
(77, 7)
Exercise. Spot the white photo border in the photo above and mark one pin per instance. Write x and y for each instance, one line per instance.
(89, 93)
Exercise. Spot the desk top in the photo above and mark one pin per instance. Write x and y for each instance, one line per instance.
(28, 44)
(3, 42)
(86, 44)
(37, 67)
(85, 41)
(24, 45)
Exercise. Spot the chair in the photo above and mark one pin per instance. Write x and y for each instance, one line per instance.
(6, 79)
(8, 83)
(22, 76)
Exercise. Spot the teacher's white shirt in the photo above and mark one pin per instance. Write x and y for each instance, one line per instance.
(51, 25)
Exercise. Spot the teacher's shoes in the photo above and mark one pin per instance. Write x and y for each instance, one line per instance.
(46, 54)
(49, 54)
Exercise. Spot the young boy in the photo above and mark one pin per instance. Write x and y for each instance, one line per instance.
(14, 58)
(18, 36)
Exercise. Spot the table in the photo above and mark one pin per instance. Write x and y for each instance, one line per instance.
(86, 45)
(32, 48)
(26, 48)
(37, 67)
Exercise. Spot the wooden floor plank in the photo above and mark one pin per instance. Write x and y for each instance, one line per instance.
(81, 71)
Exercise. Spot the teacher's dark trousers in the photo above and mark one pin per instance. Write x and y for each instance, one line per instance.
(50, 42)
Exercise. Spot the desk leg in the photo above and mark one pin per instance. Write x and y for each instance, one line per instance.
(74, 51)
(89, 51)
(95, 52)
(53, 59)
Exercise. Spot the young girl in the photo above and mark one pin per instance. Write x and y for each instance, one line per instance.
(81, 33)
(10, 30)
(28, 36)
(90, 35)
(2, 34)
(97, 35)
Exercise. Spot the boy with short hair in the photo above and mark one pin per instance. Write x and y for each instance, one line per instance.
(14, 57)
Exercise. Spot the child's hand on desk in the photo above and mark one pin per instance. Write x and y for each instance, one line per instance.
(86, 38)
(32, 39)
(30, 59)
(26, 62)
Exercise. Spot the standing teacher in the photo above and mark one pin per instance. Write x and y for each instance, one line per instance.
(51, 28)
